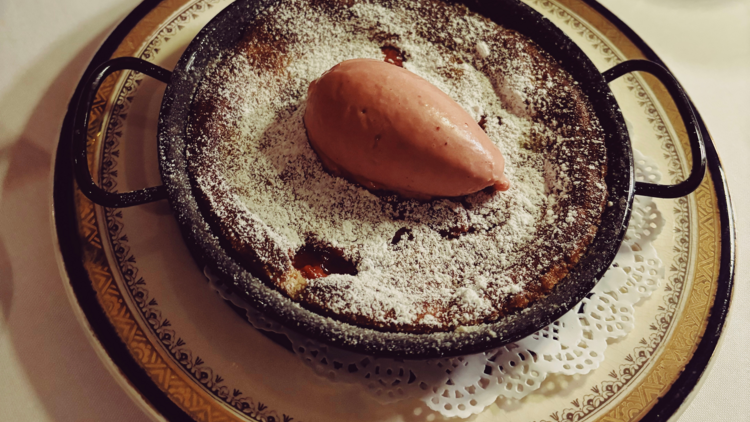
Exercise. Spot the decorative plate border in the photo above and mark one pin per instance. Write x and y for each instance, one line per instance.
(157, 378)
(713, 199)
(140, 345)
(136, 286)
(92, 238)
(640, 357)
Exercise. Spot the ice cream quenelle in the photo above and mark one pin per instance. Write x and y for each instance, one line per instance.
(388, 129)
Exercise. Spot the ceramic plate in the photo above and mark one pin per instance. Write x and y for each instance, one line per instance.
(184, 354)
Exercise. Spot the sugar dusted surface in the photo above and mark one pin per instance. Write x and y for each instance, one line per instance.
(461, 261)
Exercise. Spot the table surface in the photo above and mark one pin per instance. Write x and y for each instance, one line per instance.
(52, 373)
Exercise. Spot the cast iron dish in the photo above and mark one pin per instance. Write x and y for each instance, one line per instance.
(226, 29)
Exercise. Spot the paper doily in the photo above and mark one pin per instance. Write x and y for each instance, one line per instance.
(465, 385)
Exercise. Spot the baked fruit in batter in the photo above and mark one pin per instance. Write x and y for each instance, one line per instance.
(377, 259)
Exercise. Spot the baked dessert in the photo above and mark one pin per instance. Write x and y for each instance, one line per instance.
(376, 259)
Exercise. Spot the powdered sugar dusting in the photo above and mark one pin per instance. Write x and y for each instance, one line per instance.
(457, 262)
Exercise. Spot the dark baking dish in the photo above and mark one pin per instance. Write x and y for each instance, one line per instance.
(226, 29)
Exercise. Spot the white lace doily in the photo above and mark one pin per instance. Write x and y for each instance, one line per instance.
(465, 385)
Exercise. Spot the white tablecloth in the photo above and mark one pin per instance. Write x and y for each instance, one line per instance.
(49, 370)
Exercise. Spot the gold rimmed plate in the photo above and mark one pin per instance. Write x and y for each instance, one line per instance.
(189, 356)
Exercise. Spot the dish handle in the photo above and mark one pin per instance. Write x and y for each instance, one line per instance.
(685, 109)
(81, 123)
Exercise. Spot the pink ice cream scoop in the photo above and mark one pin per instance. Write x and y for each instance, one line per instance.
(386, 128)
